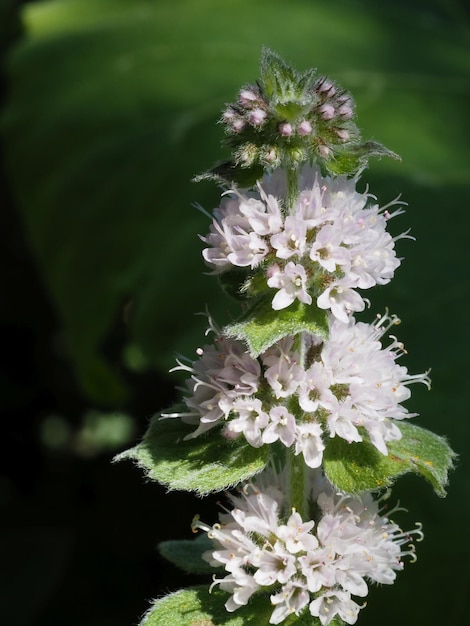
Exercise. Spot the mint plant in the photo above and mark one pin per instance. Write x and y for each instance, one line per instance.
(297, 405)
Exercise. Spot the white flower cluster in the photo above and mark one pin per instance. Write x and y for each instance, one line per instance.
(346, 386)
(331, 243)
(316, 564)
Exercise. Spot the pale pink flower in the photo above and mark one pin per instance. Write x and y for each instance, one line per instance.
(331, 242)
(350, 386)
(305, 566)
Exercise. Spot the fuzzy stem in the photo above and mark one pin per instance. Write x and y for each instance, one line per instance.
(292, 188)
(297, 476)
(297, 470)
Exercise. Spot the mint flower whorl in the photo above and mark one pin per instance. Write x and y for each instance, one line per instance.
(349, 386)
(313, 566)
(332, 242)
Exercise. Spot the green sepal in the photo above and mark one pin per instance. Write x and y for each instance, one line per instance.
(261, 326)
(187, 554)
(205, 464)
(195, 606)
(357, 467)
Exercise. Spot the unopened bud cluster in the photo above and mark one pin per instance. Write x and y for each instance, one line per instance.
(307, 117)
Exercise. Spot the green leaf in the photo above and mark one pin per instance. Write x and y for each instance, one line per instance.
(231, 173)
(356, 467)
(205, 464)
(375, 149)
(356, 156)
(262, 326)
(187, 554)
(197, 607)
(275, 74)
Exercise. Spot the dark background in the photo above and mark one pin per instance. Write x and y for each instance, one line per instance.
(108, 108)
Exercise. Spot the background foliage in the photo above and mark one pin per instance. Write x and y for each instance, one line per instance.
(108, 111)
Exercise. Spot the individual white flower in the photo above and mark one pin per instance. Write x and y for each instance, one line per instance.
(342, 300)
(342, 417)
(264, 214)
(309, 442)
(292, 240)
(283, 372)
(333, 603)
(291, 599)
(292, 285)
(295, 534)
(228, 222)
(328, 251)
(313, 566)
(281, 426)
(251, 420)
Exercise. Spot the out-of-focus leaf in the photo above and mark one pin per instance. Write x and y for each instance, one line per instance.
(38, 558)
(111, 110)
(187, 554)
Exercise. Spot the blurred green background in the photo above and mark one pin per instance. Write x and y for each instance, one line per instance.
(108, 109)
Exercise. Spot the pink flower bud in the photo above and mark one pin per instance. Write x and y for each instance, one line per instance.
(270, 156)
(345, 112)
(285, 129)
(304, 128)
(342, 134)
(327, 111)
(228, 115)
(326, 86)
(344, 98)
(238, 125)
(324, 151)
(247, 97)
(257, 117)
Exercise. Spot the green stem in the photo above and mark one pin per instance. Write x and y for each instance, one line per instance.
(296, 467)
(297, 473)
(292, 188)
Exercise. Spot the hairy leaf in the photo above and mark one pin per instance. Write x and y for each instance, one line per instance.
(205, 464)
(197, 607)
(356, 467)
(262, 326)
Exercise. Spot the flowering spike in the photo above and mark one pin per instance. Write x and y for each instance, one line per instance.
(296, 385)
